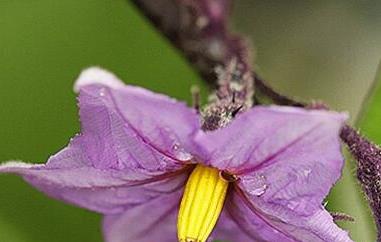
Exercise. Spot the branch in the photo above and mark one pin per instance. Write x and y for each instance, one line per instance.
(200, 30)
(268, 91)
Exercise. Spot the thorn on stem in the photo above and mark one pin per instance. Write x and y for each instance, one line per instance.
(234, 113)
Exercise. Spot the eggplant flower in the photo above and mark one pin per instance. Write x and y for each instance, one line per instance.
(144, 162)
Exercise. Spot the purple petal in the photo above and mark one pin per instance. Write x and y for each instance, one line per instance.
(129, 150)
(287, 156)
(238, 223)
(287, 160)
(153, 221)
(260, 135)
(130, 127)
(254, 225)
(68, 176)
(295, 166)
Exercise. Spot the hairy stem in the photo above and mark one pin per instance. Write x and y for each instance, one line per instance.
(200, 30)
(368, 156)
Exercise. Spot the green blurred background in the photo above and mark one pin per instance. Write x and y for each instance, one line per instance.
(311, 49)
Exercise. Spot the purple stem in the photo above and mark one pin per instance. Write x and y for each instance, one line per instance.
(368, 156)
(200, 30)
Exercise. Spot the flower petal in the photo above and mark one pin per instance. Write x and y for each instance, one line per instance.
(254, 225)
(130, 127)
(68, 176)
(96, 75)
(237, 223)
(258, 136)
(152, 221)
(295, 167)
(129, 150)
(287, 159)
(291, 155)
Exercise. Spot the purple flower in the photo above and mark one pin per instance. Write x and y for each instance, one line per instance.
(264, 175)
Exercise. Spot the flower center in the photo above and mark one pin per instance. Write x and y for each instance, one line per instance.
(201, 205)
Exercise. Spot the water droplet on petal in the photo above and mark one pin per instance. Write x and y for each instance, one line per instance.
(255, 185)
(102, 92)
(260, 190)
(180, 153)
(293, 204)
(307, 172)
(184, 156)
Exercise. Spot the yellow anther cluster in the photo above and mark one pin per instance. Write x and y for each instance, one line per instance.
(201, 205)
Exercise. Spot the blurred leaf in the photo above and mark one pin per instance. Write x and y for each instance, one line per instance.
(369, 119)
(353, 202)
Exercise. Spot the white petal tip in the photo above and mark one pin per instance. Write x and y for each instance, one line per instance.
(14, 166)
(96, 75)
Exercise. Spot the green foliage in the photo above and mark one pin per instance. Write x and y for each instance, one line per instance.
(369, 119)
(347, 196)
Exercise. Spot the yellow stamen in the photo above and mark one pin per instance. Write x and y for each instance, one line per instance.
(201, 205)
